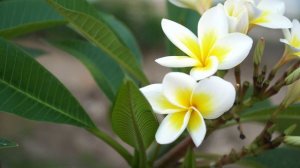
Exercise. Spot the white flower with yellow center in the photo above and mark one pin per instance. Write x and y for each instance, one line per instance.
(292, 38)
(268, 13)
(187, 103)
(198, 5)
(237, 13)
(214, 48)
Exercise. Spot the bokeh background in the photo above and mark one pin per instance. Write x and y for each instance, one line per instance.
(61, 146)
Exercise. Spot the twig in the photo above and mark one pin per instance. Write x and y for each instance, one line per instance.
(281, 81)
(174, 154)
(237, 75)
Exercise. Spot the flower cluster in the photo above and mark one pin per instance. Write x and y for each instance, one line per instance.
(221, 44)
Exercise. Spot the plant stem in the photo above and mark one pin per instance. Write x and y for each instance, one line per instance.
(237, 75)
(155, 153)
(261, 143)
(233, 156)
(281, 81)
(174, 154)
(112, 143)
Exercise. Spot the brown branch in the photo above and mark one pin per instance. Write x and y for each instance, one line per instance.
(281, 81)
(233, 156)
(174, 154)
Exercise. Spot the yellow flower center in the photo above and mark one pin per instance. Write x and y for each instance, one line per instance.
(295, 42)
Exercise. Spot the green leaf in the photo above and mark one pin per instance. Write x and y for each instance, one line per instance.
(285, 119)
(19, 17)
(124, 34)
(27, 89)
(87, 22)
(278, 158)
(4, 143)
(189, 159)
(108, 75)
(33, 51)
(133, 120)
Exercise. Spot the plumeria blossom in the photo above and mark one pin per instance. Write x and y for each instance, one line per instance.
(237, 13)
(187, 103)
(292, 38)
(268, 13)
(198, 5)
(214, 48)
(245, 14)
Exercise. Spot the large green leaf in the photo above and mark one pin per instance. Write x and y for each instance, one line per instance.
(132, 118)
(27, 89)
(285, 119)
(108, 75)
(4, 143)
(124, 34)
(19, 17)
(34, 52)
(87, 22)
(277, 158)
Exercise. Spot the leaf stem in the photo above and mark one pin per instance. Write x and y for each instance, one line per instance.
(154, 154)
(112, 143)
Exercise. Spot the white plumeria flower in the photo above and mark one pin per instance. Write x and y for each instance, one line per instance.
(198, 5)
(237, 13)
(215, 48)
(187, 103)
(268, 13)
(292, 38)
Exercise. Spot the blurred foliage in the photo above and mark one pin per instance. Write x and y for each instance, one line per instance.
(277, 158)
(139, 16)
(22, 157)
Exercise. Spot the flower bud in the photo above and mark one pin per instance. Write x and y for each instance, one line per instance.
(292, 140)
(293, 94)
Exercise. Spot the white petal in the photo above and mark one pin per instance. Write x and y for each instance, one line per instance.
(159, 103)
(197, 128)
(172, 127)
(213, 96)
(179, 3)
(293, 48)
(287, 34)
(177, 61)
(237, 15)
(285, 41)
(232, 50)
(296, 28)
(273, 6)
(253, 11)
(213, 21)
(178, 88)
(181, 37)
(243, 23)
(273, 21)
(209, 69)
